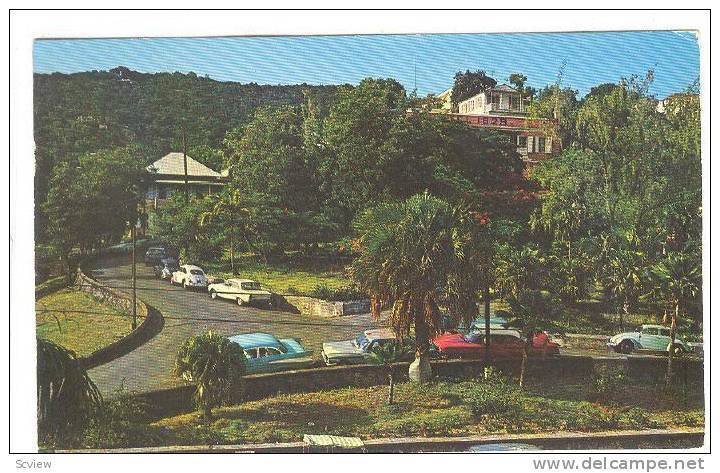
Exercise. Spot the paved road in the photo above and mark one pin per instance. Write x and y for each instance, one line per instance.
(189, 313)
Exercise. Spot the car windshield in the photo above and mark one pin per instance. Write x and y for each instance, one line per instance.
(250, 286)
(196, 272)
(361, 341)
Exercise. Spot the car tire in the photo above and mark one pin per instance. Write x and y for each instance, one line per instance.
(213, 294)
(626, 347)
(678, 349)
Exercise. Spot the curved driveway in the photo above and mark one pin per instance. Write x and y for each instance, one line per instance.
(189, 313)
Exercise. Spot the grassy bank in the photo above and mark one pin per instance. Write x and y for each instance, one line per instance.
(288, 276)
(443, 408)
(81, 323)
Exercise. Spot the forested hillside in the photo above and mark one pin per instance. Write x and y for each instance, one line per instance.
(88, 111)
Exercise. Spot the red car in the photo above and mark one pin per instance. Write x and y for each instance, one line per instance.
(503, 344)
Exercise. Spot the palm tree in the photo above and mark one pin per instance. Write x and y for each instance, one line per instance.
(214, 364)
(412, 254)
(679, 278)
(623, 261)
(518, 268)
(227, 208)
(386, 355)
(66, 395)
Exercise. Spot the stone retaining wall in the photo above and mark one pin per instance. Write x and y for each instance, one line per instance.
(171, 401)
(151, 321)
(108, 295)
(305, 305)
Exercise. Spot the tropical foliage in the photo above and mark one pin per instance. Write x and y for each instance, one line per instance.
(414, 254)
(66, 396)
(214, 365)
(386, 355)
(679, 278)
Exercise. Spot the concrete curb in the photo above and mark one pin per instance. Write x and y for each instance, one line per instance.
(152, 323)
(551, 441)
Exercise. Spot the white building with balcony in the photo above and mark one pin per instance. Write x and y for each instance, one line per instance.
(501, 99)
(503, 108)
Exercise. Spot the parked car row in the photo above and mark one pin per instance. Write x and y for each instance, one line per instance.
(242, 291)
(504, 343)
(266, 353)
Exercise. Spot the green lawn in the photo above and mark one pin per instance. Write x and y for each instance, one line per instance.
(286, 277)
(75, 328)
(443, 408)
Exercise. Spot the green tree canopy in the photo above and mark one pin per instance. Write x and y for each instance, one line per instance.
(470, 83)
(408, 256)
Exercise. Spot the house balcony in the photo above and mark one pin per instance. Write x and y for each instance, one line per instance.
(506, 108)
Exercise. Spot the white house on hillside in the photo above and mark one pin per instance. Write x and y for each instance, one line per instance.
(503, 108)
(167, 176)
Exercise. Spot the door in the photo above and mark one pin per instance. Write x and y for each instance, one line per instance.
(650, 339)
(227, 289)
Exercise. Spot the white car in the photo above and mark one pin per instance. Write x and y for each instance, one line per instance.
(189, 276)
(242, 291)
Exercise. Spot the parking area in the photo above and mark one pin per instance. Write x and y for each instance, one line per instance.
(188, 313)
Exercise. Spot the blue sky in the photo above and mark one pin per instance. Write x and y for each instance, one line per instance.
(432, 60)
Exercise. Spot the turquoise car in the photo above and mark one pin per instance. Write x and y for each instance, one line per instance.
(266, 354)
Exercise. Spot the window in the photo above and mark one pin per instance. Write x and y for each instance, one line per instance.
(251, 353)
(665, 332)
(522, 141)
(650, 331)
(514, 102)
(540, 144)
(272, 351)
(251, 286)
(475, 338)
(495, 98)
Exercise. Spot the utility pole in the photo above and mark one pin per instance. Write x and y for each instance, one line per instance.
(134, 276)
